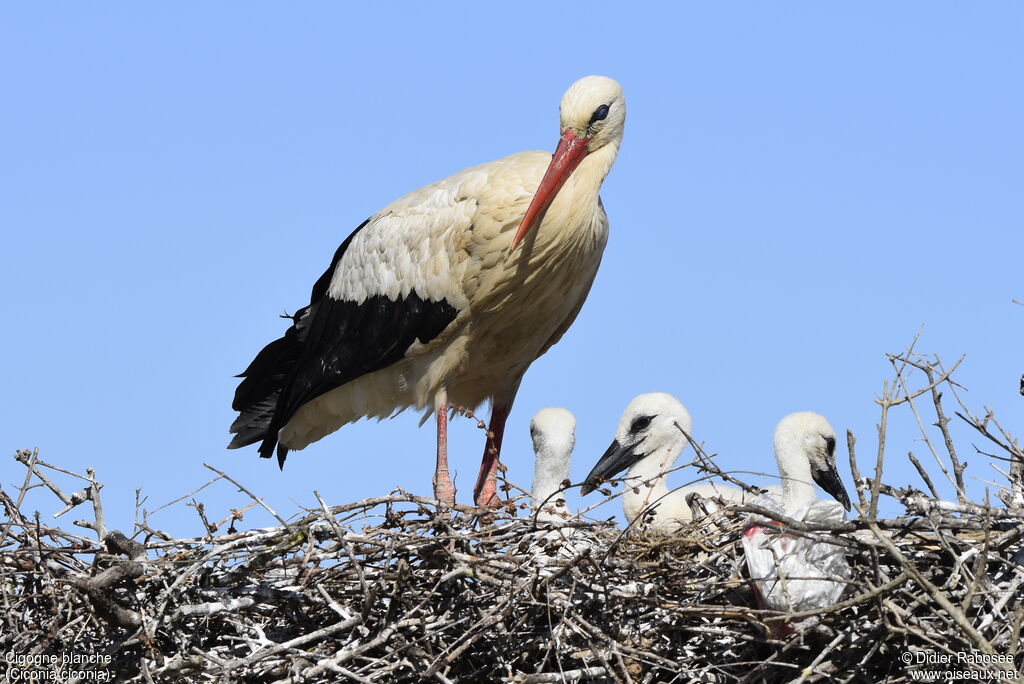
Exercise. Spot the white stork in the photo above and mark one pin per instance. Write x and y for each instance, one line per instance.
(445, 296)
(650, 437)
(553, 432)
(796, 572)
(805, 451)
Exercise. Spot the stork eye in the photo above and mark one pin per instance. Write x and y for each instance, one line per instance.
(830, 445)
(600, 114)
(640, 423)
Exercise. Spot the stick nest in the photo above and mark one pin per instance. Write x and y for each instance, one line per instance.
(396, 589)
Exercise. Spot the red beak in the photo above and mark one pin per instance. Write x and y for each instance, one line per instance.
(568, 155)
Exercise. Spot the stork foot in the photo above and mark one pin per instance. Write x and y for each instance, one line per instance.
(485, 492)
(444, 490)
(488, 495)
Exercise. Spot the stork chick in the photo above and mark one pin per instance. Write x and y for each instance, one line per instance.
(650, 437)
(553, 431)
(797, 572)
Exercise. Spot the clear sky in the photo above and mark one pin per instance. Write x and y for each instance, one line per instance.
(801, 187)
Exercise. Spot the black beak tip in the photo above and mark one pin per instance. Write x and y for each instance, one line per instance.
(828, 479)
(838, 493)
(587, 488)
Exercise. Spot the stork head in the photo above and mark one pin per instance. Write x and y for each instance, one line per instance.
(806, 437)
(592, 114)
(553, 431)
(651, 424)
(593, 110)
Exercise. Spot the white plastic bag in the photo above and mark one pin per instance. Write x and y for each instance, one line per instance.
(794, 572)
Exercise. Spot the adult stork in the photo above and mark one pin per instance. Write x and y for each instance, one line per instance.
(445, 296)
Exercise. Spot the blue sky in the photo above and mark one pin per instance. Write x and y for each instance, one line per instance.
(801, 187)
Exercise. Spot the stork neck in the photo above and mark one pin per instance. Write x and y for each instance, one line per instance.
(647, 480)
(797, 483)
(551, 468)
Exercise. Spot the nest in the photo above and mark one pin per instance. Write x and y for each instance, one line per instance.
(397, 588)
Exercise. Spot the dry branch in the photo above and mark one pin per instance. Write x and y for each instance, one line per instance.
(397, 588)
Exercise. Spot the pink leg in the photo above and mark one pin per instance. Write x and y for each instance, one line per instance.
(444, 490)
(485, 492)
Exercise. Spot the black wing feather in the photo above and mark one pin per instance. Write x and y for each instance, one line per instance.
(331, 342)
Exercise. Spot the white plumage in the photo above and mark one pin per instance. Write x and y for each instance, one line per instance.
(445, 296)
(795, 572)
(553, 431)
(511, 308)
(650, 437)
